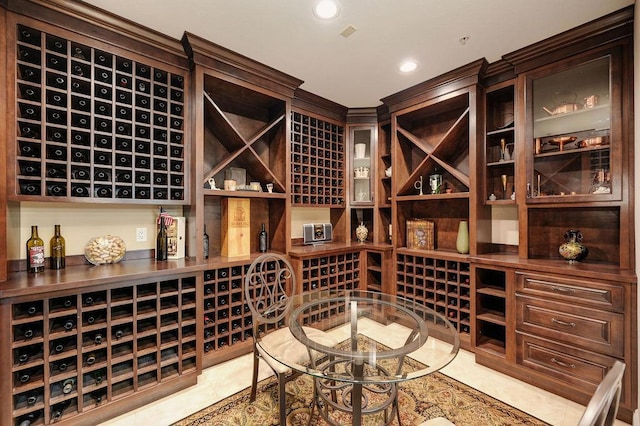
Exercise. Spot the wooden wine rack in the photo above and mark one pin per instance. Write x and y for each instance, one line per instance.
(332, 270)
(73, 354)
(317, 162)
(228, 324)
(93, 125)
(440, 283)
(227, 319)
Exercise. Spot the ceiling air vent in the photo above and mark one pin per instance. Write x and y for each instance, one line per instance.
(350, 29)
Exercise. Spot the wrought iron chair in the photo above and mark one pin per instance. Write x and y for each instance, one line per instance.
(269, 288)
(603, 405)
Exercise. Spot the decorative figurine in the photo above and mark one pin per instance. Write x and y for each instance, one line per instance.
(418, 185)
(212, 183)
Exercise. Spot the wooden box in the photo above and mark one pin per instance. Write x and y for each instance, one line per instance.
(236, 227)
(421, 234)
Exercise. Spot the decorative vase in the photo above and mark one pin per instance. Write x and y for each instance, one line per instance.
(361, 233)
(462, 242)
(573, 250)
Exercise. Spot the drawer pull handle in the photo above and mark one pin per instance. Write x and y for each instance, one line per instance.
(562, 289)
(562, 364)
(568, 324)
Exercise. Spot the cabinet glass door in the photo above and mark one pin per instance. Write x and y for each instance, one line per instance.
(362, 172)
(572, 133)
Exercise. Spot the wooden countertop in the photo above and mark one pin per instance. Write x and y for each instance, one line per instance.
(22, 283)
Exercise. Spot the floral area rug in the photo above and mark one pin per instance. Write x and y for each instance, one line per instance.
(429, 397)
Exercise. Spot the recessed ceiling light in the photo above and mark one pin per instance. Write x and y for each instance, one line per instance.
(326, 9)
(408, 66)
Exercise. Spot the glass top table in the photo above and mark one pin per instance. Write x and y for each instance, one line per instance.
(359, 345)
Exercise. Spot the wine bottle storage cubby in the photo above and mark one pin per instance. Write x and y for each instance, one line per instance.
(328, 272)
(96, 125)
(75, 353)
(227, 318)
(500, 145)
(331, 272)
(491, 309)
(317, 162)
(438, 283)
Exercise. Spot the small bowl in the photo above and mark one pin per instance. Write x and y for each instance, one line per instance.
(105, 249)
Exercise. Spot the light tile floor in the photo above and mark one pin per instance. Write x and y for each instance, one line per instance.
(220, 381)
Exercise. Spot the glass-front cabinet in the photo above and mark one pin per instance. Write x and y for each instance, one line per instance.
(575, 133)
(361, 165)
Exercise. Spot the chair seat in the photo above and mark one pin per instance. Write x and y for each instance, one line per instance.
(282, 343)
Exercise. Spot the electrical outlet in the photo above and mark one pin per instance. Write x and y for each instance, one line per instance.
(141, 235)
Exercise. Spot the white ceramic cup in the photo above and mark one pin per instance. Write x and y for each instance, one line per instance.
(229, 185)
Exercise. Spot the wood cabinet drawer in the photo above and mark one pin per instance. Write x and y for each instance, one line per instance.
(599, 294)
(585, 369)
(594, 329)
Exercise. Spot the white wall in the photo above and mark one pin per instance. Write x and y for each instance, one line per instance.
(302, 215)
(504, 225)
(79, 223)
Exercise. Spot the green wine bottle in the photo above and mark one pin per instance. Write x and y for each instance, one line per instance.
(161, 241)
(57, 247)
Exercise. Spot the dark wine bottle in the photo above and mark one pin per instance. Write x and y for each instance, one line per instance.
(26, 354)
(60, 366)
(205, 243)
(59, 347)
(29, 168)
(28, 332)
(98, 396)
(23, 376)
(58, 410)
(161, 241)
(66, 324)
(263, 239)
(98, 338)
(29, 419)
(90, 358)
(32, 397)
(35, 252)
(57, 247)
(78, 53)
(68, 385)
(94, 317)
(98, 377)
